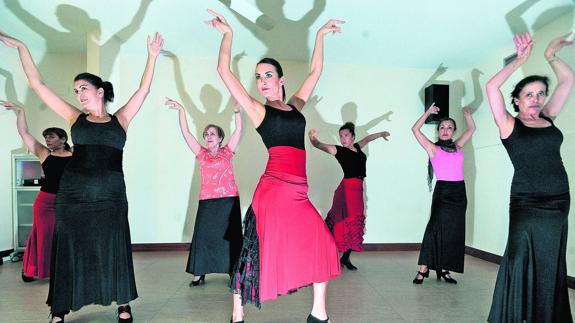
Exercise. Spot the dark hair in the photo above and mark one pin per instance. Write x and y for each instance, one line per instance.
(447, 119)
(529, 79)
(348, 126)
(97, 82)
(279, 70)
(219, 130)
(61, 133)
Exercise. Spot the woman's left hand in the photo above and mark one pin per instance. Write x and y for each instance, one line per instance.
(155, 45)
(556, 45)
(331, 27)
(466, 111)
(384, 135)
(11, 106)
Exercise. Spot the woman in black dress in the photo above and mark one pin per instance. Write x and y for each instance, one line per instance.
(92, 255)
(531, 284)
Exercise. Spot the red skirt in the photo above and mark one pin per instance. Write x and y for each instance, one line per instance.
(295, 246)
(346, 218)
(39, 246)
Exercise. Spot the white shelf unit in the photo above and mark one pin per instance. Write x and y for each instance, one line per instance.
(25, 169)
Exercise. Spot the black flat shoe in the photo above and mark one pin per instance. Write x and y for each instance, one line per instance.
(27, 279)
(446, 276)
(313, 319)
(198, 282)
(423, 276)
(125, 309)
(347, 264)
(231, 321)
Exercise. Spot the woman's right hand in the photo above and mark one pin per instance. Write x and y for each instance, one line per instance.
(312, 134)
(433, 109)
(219, 22)
(331, 27)
(173, 104)
(9, 41)
(11, 106)
(523, 46)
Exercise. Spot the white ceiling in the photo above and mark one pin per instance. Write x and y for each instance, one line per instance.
(403, 34)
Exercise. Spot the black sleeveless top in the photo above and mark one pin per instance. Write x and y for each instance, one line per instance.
(536, 158)
(352, 163)
(53, 167)
(282, 128)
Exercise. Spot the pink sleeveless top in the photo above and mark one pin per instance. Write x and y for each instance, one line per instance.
(448, 166)
(217, 174)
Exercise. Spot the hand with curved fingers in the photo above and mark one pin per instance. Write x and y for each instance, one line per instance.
(433, 109)
(523, 45)
(9, 41)
(466, 111)
(155, 45)
(385, 135)
(11, 106)
(218, 22)
(332, 26)
(556, 45)
(172, 104)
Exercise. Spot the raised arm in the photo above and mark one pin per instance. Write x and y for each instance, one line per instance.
(372, 137)
(31, 143)
(503, 118)
(188, 137)
(65, 110)
(330, 149)
(237, 134)
(421, 138)
(254, 109)
(126, 113)
(461, 141)
(316, 66)
(564, 74)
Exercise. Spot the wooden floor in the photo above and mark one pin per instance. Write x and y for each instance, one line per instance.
(380, 291)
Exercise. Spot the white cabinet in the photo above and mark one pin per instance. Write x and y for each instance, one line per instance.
(26, 177)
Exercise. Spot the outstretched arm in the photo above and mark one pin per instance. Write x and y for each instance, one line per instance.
(419, 136)
(372, 137)
(503, 118)
(236, 135)
(330, 149)
(188, 137)
(126, 113)
(564, 74)
(254, 109)
(470, 128)
(316, 66)
(31, 143)
(53, 101)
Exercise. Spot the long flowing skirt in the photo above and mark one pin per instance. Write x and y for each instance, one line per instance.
(531, 283)
(294, 247)
(39, 246)
(217, 239)
(443, 245)
(346, 218)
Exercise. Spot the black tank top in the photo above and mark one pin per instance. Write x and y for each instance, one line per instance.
(282, 128)
(109, 133)
(536, 158)
(352, 163)
(53, 167)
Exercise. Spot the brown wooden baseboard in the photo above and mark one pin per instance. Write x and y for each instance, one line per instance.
(391, 246)
(160, 246)
(483, 255)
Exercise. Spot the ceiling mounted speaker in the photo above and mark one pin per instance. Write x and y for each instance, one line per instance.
(253, 14)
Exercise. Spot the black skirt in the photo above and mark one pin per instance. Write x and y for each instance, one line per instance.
(217, 239)
(443, 245)
(531, 284)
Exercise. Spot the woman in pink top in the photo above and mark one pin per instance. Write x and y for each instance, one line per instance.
(443, 245)
(217, 239)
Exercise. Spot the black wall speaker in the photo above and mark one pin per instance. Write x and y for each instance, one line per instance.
(438, 93)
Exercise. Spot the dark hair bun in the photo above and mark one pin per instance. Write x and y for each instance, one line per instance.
(108, 91)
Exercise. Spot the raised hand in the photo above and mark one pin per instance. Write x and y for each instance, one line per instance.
(557, 44)
(466, 111)
(218, 22)
(384, 135)
(312, 134)
(331, 27)
(173, 104)
(523, 45)
(155, 45)
(433, 109)
(11, 106)
(9, 41)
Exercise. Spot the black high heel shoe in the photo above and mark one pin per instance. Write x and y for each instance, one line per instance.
(27, 279)
(125, 309)
(232, 321)
(60, 316)
(313, 319)
(198, 282)
(423, 275)
(347, 264)
(445, 275)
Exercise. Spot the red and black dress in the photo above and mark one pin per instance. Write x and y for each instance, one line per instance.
(286, 243)
(346, 218)
(39, 246)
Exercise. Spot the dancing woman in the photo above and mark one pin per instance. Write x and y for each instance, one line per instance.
(286, 243)
(217, 239)
(346, 218)
(443, 245)
(531, 283)
(92, 258)
(54, 156)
